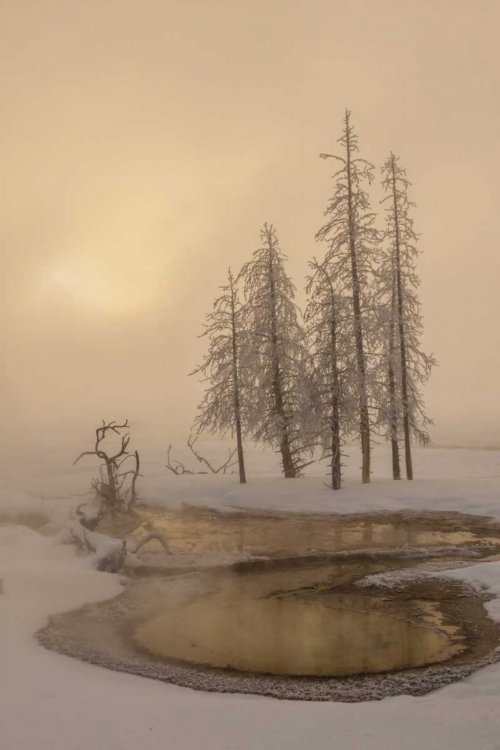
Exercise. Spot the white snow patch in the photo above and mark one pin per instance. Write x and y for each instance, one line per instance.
(483, 577)
(51, 702)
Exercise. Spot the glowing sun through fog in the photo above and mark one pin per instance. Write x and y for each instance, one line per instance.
(95, 286)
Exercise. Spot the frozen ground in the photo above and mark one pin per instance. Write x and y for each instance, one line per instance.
(50, 702)
(447, 479)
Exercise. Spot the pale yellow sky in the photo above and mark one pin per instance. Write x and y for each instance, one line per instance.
(144, 144)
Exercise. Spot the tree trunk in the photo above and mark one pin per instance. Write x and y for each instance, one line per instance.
(286, 453)
(239, 446)
(336, 465)
(236, 387)
(113, 492)
(364, 419)
(289, 469)
(396, 468)
(393, 416)
(133, 490)
(335, 448)
(402, 338)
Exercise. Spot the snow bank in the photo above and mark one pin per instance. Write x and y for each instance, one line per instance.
(483, 577)
(51, 702)
(468, 480)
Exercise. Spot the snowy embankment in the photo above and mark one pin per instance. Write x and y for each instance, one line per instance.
(51, 702)
(446, 479)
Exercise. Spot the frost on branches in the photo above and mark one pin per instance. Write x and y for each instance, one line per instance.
(352, 248)
(279, 413)
(333, 363)
(408, 367)
(388, 383)
(222, 409)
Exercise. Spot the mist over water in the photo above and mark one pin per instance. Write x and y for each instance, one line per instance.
(279, 636)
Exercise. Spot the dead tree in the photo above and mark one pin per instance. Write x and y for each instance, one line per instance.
(131, 492)
(222, 468)
(112, 491)
(179, 469)
(176, 467)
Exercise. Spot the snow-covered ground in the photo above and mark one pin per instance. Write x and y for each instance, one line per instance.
(446, 479)
(51, 702)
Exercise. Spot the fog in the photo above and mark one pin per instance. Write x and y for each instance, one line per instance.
(146, 143)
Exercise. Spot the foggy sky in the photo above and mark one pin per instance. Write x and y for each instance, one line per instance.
(145, 143)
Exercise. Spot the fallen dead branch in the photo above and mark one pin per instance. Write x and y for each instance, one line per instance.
(112, 555)
(178, 468)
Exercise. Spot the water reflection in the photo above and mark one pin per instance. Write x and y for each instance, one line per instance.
(287, 534)
(290, 636)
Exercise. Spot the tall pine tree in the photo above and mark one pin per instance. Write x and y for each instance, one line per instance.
(411, 366)
(333, 373)
(278, 409)
(223, 406)
(352, 244)
(387, 383)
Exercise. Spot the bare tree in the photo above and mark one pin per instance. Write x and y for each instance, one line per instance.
(277, 360)
(329, 328)
(178, 468)
(134, 473)
(399, 269)
(352, 241)
(222, 407)
(112, 490)
(223, 467)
